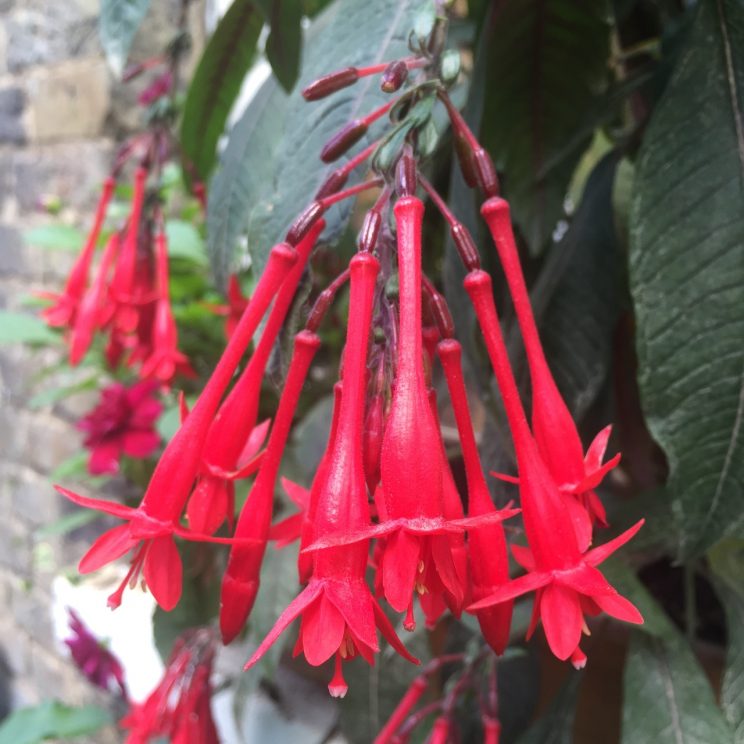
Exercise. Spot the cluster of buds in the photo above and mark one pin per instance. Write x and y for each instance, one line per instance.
(126, 295)
(383, 493)
(178, 710)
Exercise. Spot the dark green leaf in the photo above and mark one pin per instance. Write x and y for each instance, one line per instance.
(687, 277)
(578, 294)
(547, 65)
(727, 563)
(216, 84)
(284, 45)
(185, 242)
(52, 719)
(55, 237)
(117, 26)
(556, 726)
(21, 328)
(287, 154)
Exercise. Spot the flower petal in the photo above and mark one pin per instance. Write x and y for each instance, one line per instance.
(399, 567)
(596, 452)
(163, 572)
(523, 556)
(253, 444)
(389, 634)
(286, 531)
(140, 443)
(109, 507)
(322, 631)
(353, 600)
(298, 494)
(585, 579)
(601, 553)
(104, 457)
(515, 588)
(617, 606)
(560, 611)
(108, 547)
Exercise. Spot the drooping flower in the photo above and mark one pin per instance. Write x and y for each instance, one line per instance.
(92, 657)
(289, 529)
(63, 312)
(339, 614)
(489, 560)
(555, 431)
(149, 529)
(565, 576)
(178, 710)
(235, 437)
(123, 423)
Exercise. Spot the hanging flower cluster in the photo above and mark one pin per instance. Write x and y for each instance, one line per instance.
(125, 296)
(383, 494)
(179, 708)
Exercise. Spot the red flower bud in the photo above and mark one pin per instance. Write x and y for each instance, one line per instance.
(344, 139)
(330, 83)
(394, 76)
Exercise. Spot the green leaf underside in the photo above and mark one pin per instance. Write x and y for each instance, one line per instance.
(216, 83)
(687, 277)
(51, 719)
(117, 26)
(548, 65)
(21, 328)
(286, 154)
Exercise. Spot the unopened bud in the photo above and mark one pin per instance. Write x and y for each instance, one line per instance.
(370, 230)
(335, 182)
(304, 221)
(465, 245)
(394, 76)
(486, 173)
(345, 138)
(466, 160)
(406, 179)
(330, 83)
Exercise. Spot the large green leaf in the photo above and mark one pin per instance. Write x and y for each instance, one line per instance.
(216, 83)
(348, 32)
(117, 25)
(284, 44)
(667, 698)
(687, 277)
(548, 64)
(727, 562)
(22, 328)
(52, 720)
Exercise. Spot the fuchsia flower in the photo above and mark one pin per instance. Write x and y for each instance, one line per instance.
(234, 438)
(92, 657)
(178, 710)
(289, 529)
(555, 432)
(149, 529)
(339, 614)
(566, 577)
(63, 312)
(123, 423)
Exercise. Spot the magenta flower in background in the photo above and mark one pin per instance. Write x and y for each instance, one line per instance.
(92, 657)
(122, 423)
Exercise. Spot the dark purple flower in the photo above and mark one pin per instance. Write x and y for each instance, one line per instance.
(122, 423)
(93, 659)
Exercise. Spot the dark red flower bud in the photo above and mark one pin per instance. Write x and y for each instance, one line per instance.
(394, 76)
(406, 179)
(466, 160)
(335, 181)
(485, 172)
(345, 138)
(370, 230)
(330, 83)
(304, 221)
(465, 245)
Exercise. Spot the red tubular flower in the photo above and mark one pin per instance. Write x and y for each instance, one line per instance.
(339, 614)
(555, 431)
(122, 423)
(241, 581)
(63, 312)
(236, 305)
(91, 311)
(165, 360)
(290, 528)
(234, 439)
(179, 709)
(149, 528)
(407, 703)
(489, 561)
(124, 284)
(567, 580)
(440, 733)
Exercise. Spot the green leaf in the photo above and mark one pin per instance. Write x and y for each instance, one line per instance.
(547, 66)
(21, 328)
(556, 725)
(117, 26)
(687, 277)
(66, 524)
(262, 204)
(215, 85)
(578, 294)
(727, 563)
(52, 719)
(284, 45)
(185, 242)
(55, 237)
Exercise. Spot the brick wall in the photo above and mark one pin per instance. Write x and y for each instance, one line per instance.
(60, 113)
